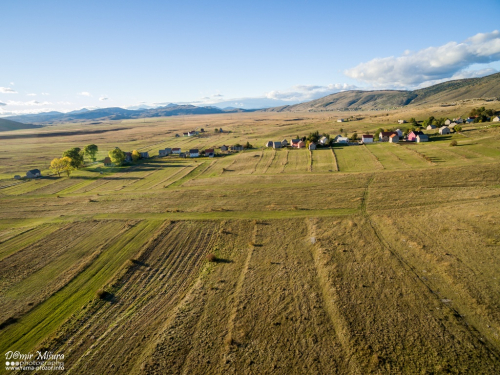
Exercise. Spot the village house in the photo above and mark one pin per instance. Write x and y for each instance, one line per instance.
(128, 157)
(367, 138)
(34, 173)
(176, 150)
(185, 134)
(144, 155)
(239, 148)
(107, 161)
(384, 136)
(294, 142)
(301, 144)
(194, 153)
(341, 139)
(412, 136)
(444, 130)
(399, 132)
(165, 152)
(430, 127)
(269, 144)
(452, 125)
(394, 138)
(401, 121)
(284, 143)
(496, 119)
(447, 122)
(340, 120)
(192, 133)
(312, 146)
(209, 152)
(224, 148)
(422, 138)
(276, 145)
(458, 120)
(182, 155)
(324, 141)
(470, 120)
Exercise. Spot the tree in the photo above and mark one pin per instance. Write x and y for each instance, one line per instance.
(453, 143)
(90, 151)
(216, 130)
(248, 145)
(313, 137)
(117, 156)
(57, 165)
(457, 128)
(75, 154)
(135, 155)
(413, 121)
(354, 137)
(430, 120)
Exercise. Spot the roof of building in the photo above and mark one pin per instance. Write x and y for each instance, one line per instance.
(387, 134)
(367, 136)
(34, 171)
(394, 135)
(194, 151)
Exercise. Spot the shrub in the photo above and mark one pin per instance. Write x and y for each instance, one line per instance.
(453, 143)
(102, 294)
(212, 257)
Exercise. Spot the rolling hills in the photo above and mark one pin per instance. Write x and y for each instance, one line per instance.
(7, 125)
(446, 92)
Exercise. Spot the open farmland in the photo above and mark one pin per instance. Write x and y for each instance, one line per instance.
(359, 259)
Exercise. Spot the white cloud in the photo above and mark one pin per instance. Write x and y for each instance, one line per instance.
(31, 94)
(103, 98)
(308, 92)
(12, 83)
(7, 90)
(2, 104)
(429, 64)
(84, 93)
(30, 103)
(45, 93)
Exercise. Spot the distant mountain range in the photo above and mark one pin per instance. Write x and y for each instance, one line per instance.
(116, 113)
(447, 92)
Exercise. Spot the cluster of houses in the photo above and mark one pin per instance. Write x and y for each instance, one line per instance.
(299, 143)
(397, 135)
(195, 153)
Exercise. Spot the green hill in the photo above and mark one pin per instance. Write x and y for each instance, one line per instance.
(451, 91)
(7, 125)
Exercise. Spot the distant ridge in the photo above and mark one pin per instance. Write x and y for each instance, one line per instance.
(446, 92)
(116, 113)
(8, 125)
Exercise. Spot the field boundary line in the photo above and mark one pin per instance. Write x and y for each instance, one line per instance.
(335, 161)
(374, 157)
(270, 162)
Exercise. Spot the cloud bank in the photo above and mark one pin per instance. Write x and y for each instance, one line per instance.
(308, 92)
(430, 65)
(7, 90)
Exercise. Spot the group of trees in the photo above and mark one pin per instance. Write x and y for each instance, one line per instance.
(481, 114)
(73, 159)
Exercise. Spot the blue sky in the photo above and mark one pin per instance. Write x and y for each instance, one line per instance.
(65, 55)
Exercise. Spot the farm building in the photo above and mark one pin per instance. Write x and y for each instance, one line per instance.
(294, 142)
(470, 120)
(384, 136)
(458, 120)
(312, 146)
(194, 153)
(412, 136)
(444, 130)
(165, 152)
(452, 125)
(17, 177)
(447, 122)
(128, 157)
(394, 138)
(182, 155)
(324, 141)
(401, 121)
(341, 139)
(34, 173)
(176, 150)
(240, 148)
(185, 134)
(192, 133)
(107, 161)
(496, 119)
(422, 138)
(367, 138)
(177, 136)
(269, 144)
(301, 144)
(430, 127)
(340, 120)
(399, 132)
(276, 145)
(224, 148)
(284, 143)
(144, 155)
(209, 152)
